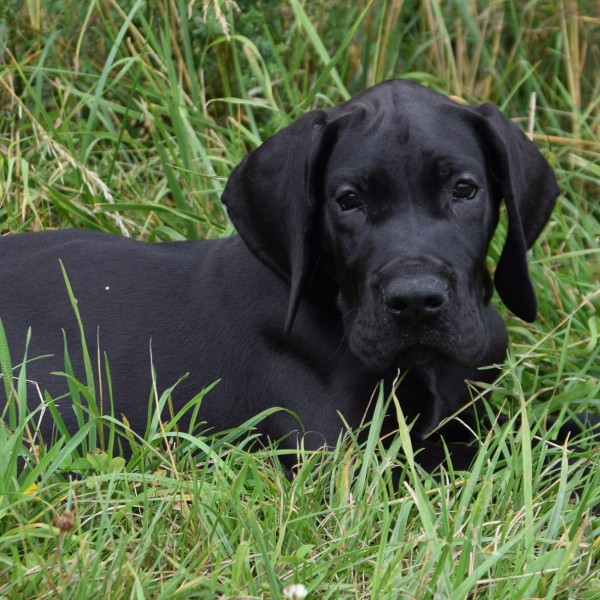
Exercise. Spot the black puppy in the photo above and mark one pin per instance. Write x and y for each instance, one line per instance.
(363, 233)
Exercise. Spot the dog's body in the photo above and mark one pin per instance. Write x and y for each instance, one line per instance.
(363, 238)
(197, 308)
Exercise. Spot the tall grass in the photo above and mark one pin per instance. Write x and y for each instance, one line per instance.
(127, 116)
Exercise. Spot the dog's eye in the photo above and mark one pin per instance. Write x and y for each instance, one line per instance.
(348, 201)
(464, 190)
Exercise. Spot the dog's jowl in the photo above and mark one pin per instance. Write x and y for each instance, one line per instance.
(361, 251)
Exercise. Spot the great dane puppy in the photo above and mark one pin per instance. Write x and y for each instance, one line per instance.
(363, 233)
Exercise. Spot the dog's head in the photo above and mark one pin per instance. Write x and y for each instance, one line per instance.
(394, 196)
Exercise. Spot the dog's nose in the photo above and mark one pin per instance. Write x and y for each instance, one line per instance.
(416, 299)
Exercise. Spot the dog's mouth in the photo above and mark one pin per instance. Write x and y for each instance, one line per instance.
(470, 339)
(418, 355)
(379, 348)
(379, 357)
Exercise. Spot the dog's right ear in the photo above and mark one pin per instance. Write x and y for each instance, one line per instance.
(529, 188)
(271, 198)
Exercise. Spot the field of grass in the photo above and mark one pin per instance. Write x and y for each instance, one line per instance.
(127, 116)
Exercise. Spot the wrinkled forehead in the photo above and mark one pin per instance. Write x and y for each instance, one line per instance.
(388, 128)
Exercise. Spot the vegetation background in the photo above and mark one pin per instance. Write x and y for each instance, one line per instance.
(127, 116)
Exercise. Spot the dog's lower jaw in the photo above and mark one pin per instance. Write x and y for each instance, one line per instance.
(380, 348)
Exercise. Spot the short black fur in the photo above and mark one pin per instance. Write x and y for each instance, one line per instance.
(317, 299)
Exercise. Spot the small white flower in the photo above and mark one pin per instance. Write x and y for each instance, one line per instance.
(296, 591)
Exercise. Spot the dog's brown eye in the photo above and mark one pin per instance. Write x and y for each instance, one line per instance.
(464, 190)
(348, 200)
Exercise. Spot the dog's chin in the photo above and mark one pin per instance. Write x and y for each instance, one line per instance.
(417, 355)
(379, 359)
(379, 349)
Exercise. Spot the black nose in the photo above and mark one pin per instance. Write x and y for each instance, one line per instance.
(416, 299)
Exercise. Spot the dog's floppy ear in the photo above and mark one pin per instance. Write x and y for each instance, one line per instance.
(270, 198)
(528, 186)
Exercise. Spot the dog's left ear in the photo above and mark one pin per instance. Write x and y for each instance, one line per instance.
(271, 198)
(528, 186)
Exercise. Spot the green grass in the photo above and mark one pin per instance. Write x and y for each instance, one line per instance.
(127, 116)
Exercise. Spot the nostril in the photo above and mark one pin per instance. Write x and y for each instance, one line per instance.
(398, 304)
(415, 299)
(433, 302)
